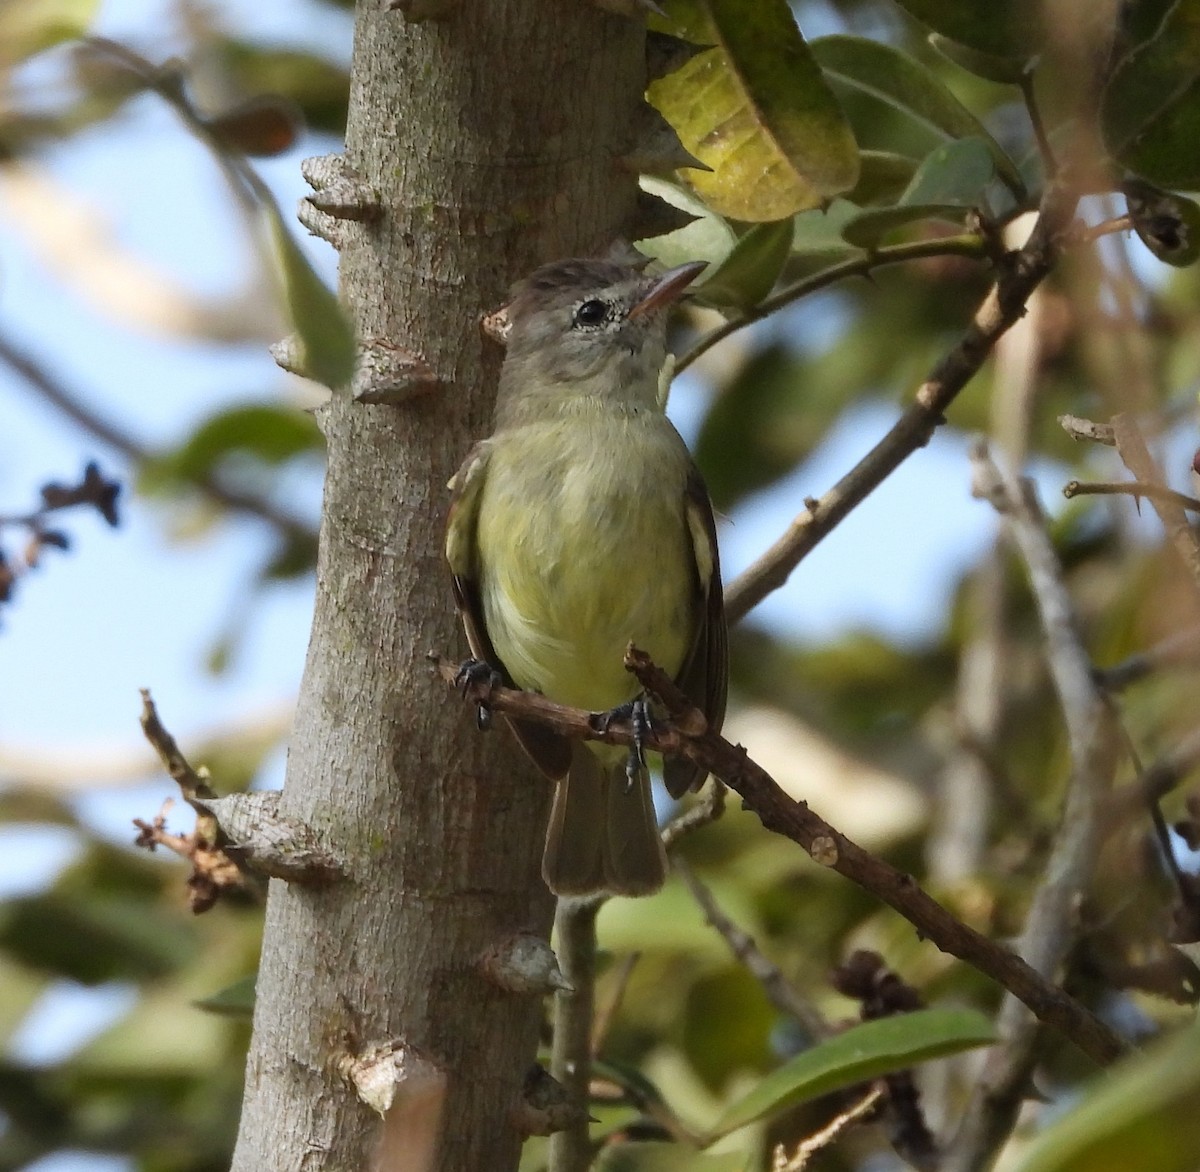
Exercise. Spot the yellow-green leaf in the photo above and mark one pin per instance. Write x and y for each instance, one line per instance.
(755, 109)
(29, 26)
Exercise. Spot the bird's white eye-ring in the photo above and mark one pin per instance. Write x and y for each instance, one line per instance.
(592, 313)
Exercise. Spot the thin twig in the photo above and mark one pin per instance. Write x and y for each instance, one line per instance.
(53, 391)
(1021, 274)
(1181, 650)
(1134, 488)
(808, 1148)
(1045, 150)
(972, 245)
(1131, 447)
(774, 984)
(1052, 923)
(606, 1016)
(688, 734)
(1079, 428)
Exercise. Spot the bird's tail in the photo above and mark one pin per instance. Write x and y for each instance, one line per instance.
(603, 835)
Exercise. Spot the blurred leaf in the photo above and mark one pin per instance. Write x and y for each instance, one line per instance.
(1150, 112)
(734, 998)
(261, 127)
(330, 349)
(318, 87)
(1167, 224)
(949, 183)
(1002, 28)
(236, 1000)
(882, 176)
(267, 433)
(751, 269)
(756, 110)
(989, 66)
(904, 83)
(863, 1052)
(294, 556)
(92, 939)
(30, 26)
(1143, 1113)
(666, 1157)
(817, 234)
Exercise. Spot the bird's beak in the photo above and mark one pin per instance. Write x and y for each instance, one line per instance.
(662, 291)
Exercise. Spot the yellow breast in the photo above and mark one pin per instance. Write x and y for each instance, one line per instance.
(584, 547)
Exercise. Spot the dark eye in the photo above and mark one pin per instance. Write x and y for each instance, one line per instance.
(592, 313)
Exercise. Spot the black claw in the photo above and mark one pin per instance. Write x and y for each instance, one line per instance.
(637, 712)
(475, 671)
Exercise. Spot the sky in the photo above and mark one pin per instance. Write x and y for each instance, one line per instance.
(140, 607)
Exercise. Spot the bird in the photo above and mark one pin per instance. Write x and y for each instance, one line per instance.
(580, 525)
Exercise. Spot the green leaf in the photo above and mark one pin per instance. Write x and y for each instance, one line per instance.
(1003, 28)
(1167, 224)
(316, 313)
(905, 84)
(756, 110)
(708, 237)
(264, 432)
(1143, 1114)
(30, 26)
(750, 271)
(236, 1000)
(882, 177)
(818, 233)
(664, 1157)
(1150, 111)
(989, 66)
(949, 182)
(317, 86)
(864, 1052)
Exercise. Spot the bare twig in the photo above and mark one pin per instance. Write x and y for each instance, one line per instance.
(1051, 925)
(1079, 428)
(808, 1148)
(1021, 274)
(53, 391)
(606, 1016)
(1181, 650)
(687, 734)
(774, 984)
(1134, 488)
(1131, 447)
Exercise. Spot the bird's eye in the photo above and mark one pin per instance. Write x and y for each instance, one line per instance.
(592, 313)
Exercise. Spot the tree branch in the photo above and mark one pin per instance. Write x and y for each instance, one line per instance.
(1021, 274)
(687, 734)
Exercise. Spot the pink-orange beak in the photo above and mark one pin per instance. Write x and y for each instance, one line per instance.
(667, 288)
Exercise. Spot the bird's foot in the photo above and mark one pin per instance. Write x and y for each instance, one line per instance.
(478, 671)
(637, 712)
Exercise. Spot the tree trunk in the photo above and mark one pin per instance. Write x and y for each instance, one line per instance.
(491, 137)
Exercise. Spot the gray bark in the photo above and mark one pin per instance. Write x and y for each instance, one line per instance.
(491, 138)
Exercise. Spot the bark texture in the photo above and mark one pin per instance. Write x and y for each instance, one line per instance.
(491, 137)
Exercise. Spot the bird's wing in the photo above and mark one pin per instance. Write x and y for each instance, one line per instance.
(550, 752)
(704, 676)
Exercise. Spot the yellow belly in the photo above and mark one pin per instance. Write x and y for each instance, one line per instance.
(583, 549)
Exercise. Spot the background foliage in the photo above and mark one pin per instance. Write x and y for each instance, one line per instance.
(889, 139)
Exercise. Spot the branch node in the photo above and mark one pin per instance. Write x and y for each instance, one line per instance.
(545, 1105)
(524, 963)
(270, 843)
(495, 325)
(388, 373)
(339, 191)
(824, 850)
(391, 1070)
(331, 229)
(418, 11)
(656, 149)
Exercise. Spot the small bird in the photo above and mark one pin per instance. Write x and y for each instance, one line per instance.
(581, 525)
